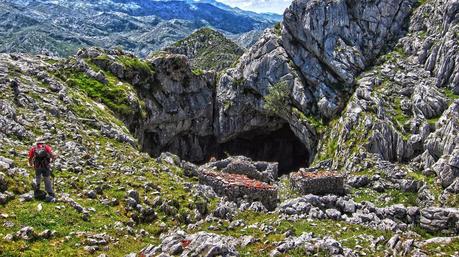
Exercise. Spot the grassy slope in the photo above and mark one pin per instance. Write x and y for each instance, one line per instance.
(109, 153)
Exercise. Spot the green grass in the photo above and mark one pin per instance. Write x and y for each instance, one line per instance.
(451, 249)
(137, 64)
(433, 121)
(435, 188)
(113, 96)
(317, 123)
(400, 117)
(51, 61)
(393, 196)
(450, 94)
(198, 72)
(421, 2)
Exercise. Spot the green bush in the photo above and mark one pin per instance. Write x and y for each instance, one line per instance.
(278, 99)
(278, 29)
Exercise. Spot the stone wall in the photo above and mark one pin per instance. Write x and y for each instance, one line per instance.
(236, 187)
(445, 220)
(318, 183)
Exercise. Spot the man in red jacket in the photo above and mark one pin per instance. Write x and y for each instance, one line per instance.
(40, 157)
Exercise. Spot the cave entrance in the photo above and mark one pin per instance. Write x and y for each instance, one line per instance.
(280, 146)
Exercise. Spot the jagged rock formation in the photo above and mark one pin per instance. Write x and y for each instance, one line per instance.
(434, 43)
(207, 49)
(172, 108)
(318, 57)
(248, 39)
(404, 109)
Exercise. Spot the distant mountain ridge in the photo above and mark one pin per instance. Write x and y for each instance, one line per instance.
(60, 27)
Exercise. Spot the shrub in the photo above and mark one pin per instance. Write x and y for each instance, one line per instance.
(278, 99)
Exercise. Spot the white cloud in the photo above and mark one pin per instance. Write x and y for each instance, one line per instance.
(275, 6)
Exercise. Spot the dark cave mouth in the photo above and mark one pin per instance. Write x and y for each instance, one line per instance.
(281, 146)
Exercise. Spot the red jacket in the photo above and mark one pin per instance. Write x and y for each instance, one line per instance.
(48, 149)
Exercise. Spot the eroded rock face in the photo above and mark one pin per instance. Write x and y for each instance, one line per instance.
(318, 49)
(317, 53)
(437, 52)
(329, 41)
(180, 110)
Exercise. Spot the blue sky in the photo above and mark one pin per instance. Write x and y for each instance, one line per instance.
(275, 6)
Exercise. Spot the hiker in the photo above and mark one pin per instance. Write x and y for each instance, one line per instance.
(40, 157)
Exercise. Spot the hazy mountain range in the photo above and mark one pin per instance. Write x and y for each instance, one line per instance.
(60, 27)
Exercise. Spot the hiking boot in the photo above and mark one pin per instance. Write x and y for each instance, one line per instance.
(51, 198)
(38, 194)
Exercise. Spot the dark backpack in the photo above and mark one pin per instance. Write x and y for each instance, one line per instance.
(42, 157)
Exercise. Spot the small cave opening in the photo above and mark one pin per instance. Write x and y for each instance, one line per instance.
(280, 146)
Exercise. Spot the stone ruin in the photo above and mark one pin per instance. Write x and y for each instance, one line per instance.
(317, 182)
(259, 170)
(236, 187)
(241, 178)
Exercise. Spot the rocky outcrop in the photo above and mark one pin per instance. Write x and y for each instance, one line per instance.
(394, 218)
(180, 110)
(177, 112)
(311, 244)
(240, 92)
(434, 42)
(172, 109)
(442, 147)
(400, 112)
(308, 63)
(318, 49)
(199, 244)
(207, 49)
(328, 40)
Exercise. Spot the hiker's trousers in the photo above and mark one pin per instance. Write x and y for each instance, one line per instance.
(46, 174)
